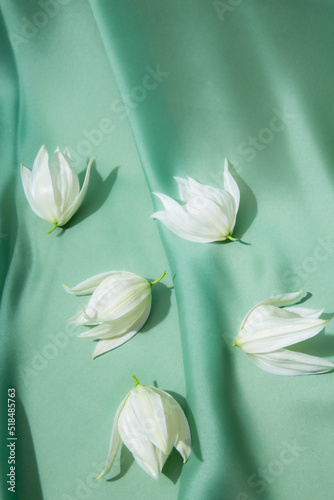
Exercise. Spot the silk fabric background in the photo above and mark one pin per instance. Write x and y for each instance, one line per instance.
(157, 89)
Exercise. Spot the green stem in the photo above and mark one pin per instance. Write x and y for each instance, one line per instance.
(135, 379)
(54, 227)
(232, 239)
(159, 279)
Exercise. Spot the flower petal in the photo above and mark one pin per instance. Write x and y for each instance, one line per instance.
(115, 440)
(304, 312)
(102, 331)
(231, 186)
(220, 222)
(65, 181)
(219, 196)
(133, 320)
(41, 187)
(109, 344)
(271, 334)
(178, 430)
(161, 458)
(149, 412)
(88, 286)
(181, 223)
(285, 362)
(147, 467)
(66, 216)
(184, 191)
(277, 300)
(116, 296)
(26, 181)
(137, 441)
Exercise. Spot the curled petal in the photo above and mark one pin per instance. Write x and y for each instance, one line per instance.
(134, 320)
(88, 286)
(286, 362)
(304, 312)
(149, 412)
(231, 186)
(178, 430)
(109, 344)
(66, 216)
(208, 213)
(184, 190)
(137, 441)
(115, 441)
(64, 180)
(277, 300)
(41, 187)
(116, 296)
(271, 334)
(26, 181)
(180, 222)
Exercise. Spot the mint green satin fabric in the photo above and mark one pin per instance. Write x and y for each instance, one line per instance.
(199, 81)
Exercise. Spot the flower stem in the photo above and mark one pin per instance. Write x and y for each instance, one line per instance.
(135, 379)
(159, 279)
(232, 239)
(54, 227)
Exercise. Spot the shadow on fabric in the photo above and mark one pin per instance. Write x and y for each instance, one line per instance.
(97, 193)
(29, 485)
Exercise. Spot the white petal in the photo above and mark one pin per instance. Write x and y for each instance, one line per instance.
(134, 320)
(231, 186)
(219, 196)
(276, 300)
(271, 334)
(177, 425)
(88, 286)
(161, 458)
(220, 222)
(137, 441)
(66, 216)
(65, 181)
(285, 362)
(149, 412)
(184, 191)
(305, 312)
(117, 295)
(180, 222)
(107, 345)
(26, 181)
(115, 440)
(102, 331)
(184, 231)
(153, 471)
(42, 188)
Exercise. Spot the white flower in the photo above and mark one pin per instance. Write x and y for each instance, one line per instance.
(207, 213)
(118, 308)
(53, 193)
(150, 423)
(267, 329)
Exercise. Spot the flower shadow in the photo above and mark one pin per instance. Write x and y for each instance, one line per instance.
(174, 464)
(247, 210)
(239, 440)
(248, 205)
(322, 345)
(126, 462)
(161, 303)
(30, 484)
(97, 193)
